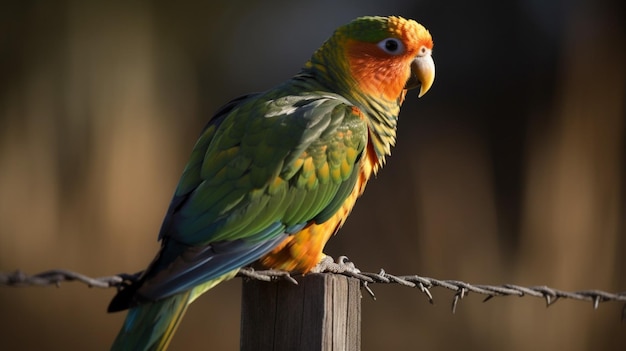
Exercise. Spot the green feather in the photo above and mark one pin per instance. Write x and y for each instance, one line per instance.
(297, 141)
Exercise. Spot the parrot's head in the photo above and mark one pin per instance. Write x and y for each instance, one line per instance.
(382, 56)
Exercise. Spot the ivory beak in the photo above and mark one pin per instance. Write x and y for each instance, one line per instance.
(422, 73)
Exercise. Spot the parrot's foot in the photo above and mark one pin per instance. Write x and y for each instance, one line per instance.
(342, 265)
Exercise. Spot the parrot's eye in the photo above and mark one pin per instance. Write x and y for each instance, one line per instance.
(391, 46)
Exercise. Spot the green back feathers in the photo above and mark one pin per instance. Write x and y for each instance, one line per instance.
(271, 152)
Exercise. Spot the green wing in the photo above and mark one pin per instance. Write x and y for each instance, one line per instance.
(261, 170)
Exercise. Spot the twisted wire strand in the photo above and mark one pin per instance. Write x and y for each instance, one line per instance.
(424, 284)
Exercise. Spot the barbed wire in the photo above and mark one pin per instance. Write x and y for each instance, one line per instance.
(424, 284)
(57, 276)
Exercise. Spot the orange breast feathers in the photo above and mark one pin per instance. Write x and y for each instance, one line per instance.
(302, 251)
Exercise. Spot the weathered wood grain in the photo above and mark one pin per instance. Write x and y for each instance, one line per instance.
(321, 313)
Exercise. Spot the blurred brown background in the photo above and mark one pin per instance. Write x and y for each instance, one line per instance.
(510, 170)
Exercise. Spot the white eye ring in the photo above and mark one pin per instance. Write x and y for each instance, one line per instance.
(392, 46)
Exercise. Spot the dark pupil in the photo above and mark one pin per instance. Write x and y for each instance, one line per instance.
(391, 45)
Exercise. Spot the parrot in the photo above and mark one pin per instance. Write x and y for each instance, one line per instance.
(273, 175)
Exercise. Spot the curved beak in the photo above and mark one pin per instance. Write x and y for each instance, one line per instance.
(422, 73)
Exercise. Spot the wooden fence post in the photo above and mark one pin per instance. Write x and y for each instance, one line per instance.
(321, 313)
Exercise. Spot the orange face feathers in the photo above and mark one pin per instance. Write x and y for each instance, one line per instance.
(376, 72)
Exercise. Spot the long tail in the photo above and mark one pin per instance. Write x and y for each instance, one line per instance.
(150, 326)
